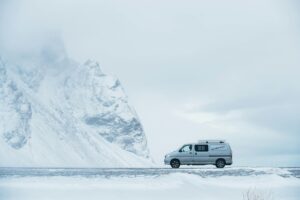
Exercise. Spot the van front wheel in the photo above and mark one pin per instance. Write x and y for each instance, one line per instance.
(220, 163)
(175, 163)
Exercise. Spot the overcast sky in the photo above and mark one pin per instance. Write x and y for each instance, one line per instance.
(193, 70)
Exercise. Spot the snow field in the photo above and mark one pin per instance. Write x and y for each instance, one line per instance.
(171, 186)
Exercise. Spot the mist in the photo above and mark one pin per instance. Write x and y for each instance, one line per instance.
(193, 69)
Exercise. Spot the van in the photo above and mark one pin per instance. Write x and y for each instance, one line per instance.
(205, 152)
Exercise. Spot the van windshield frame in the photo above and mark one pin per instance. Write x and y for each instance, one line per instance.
(184, 146)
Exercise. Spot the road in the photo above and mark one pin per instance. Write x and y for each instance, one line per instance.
(146, 172)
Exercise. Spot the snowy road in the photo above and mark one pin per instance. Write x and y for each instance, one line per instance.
(145, 172)
(153, 183)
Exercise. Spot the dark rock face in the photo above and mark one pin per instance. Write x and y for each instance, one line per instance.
(114, 119)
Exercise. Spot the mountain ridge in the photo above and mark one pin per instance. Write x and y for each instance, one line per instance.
(67, 118)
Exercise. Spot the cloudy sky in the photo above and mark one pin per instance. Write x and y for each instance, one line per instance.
(202, 69)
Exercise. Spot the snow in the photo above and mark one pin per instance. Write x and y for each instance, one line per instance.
(57, 113)
(178, 184)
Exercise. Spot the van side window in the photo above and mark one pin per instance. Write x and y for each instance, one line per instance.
(201, 147)
(186, 148)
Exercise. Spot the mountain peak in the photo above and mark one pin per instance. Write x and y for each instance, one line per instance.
(81, 117)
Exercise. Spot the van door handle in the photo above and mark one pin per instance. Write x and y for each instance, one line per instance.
(190, 152)
(195, 153)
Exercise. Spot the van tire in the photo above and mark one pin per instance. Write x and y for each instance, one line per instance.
(175, 163)
(220, 163)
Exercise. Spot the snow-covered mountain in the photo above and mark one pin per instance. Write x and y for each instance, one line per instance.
(55, 112)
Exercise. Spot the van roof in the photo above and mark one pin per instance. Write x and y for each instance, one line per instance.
(208, 142)
(211, 141)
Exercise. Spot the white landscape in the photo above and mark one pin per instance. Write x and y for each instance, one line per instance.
(98, 98)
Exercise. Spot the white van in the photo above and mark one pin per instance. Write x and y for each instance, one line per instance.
(205, 152)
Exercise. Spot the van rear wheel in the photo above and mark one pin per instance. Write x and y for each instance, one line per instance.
(175, 163)
(220, 163)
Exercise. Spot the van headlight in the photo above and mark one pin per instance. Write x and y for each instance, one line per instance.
(168, 155)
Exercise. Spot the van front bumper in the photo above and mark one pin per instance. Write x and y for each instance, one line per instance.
(167, 160)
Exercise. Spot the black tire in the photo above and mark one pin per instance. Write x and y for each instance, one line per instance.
(175, 163)
(220, 163)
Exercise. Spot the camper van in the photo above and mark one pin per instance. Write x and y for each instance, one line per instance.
(205, 152)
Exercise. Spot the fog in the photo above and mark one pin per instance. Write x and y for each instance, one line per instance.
(192, 69)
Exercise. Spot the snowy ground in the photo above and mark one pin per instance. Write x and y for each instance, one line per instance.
(155, 183)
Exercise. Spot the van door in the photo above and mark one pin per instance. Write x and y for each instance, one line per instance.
(201, 155)
(185, 154)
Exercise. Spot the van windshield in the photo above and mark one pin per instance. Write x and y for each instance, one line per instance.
(186, 148)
